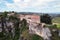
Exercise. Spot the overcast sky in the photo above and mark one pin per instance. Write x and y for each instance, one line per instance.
(43, 6)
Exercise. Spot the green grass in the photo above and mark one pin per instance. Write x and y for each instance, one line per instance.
(56, 20)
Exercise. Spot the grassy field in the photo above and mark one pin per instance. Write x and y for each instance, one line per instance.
(56, 21)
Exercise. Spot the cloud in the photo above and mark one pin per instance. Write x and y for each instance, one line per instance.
(16, 1)
(33, 5)
(40, 2)
(28, 3)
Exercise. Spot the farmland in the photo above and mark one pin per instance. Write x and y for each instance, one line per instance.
(56, 21)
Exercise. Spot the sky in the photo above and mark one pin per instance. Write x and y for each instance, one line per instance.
(42, 6)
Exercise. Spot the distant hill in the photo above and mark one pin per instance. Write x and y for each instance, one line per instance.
(51, 14)
(54, 15)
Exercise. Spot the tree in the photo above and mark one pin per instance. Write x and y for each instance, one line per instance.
(36, 37)
(23, 25)
(45, 18)
(5, 14)
(24, 21)
(17, 29)
(15, 21)
(3, 24)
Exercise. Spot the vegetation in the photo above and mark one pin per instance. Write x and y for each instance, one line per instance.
(23, 28)
(36, 37)
(56, 21)
(4, 34)
(45, 18)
